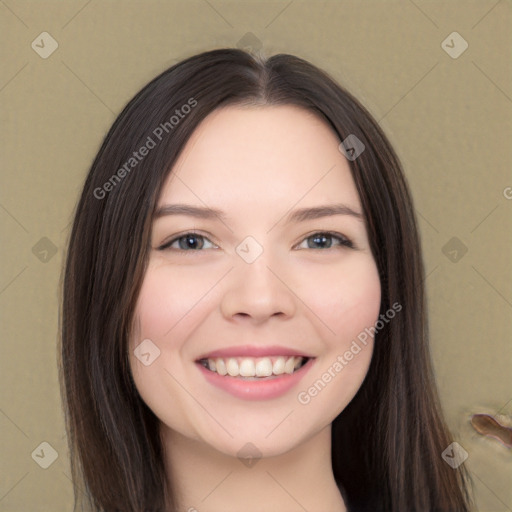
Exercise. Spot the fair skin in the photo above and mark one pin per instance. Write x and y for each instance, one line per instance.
(303, 292)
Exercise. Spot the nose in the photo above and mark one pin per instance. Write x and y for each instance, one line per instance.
(256, 292)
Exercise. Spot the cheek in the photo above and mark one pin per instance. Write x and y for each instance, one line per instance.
(347, 299)
(163, 312)
(153, 309)
(167, 309)
(348, 302)
(169, 301)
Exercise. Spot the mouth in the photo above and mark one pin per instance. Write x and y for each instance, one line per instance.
(252, 368)
(262, 377)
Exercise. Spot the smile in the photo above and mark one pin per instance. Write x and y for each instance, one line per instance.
(254, 368)
(255, 378)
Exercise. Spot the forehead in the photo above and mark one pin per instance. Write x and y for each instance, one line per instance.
(271, 154)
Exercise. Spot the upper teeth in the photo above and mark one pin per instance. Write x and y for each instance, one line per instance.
(250, 367)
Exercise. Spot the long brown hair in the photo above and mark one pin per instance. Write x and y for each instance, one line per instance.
(387, 443)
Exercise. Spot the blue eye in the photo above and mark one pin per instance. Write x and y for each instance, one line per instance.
(188, 242)
(324, 240)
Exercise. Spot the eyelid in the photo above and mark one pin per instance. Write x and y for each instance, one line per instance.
(344, 241)
(166, 244)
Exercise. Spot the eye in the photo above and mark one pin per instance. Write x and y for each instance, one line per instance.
(188, 242)
(195, 242)
(324, 240)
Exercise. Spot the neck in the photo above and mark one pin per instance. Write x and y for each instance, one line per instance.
(203, 479)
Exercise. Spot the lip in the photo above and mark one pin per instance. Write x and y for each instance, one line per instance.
(264, 389)
(254, 351)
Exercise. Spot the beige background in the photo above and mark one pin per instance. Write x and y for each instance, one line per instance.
(449, 119)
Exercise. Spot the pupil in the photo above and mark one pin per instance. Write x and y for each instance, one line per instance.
(321, 239)
(191, 242)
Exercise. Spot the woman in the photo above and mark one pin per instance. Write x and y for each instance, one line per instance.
(244, 322)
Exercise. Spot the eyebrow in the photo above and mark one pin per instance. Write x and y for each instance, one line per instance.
(318, 212)
(192, 211)
(299, 215)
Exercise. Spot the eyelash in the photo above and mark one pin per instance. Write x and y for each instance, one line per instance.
(343, 241)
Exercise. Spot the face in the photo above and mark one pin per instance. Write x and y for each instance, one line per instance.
(250, 275)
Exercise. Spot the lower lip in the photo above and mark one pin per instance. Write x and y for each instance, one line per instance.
(264, 389)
